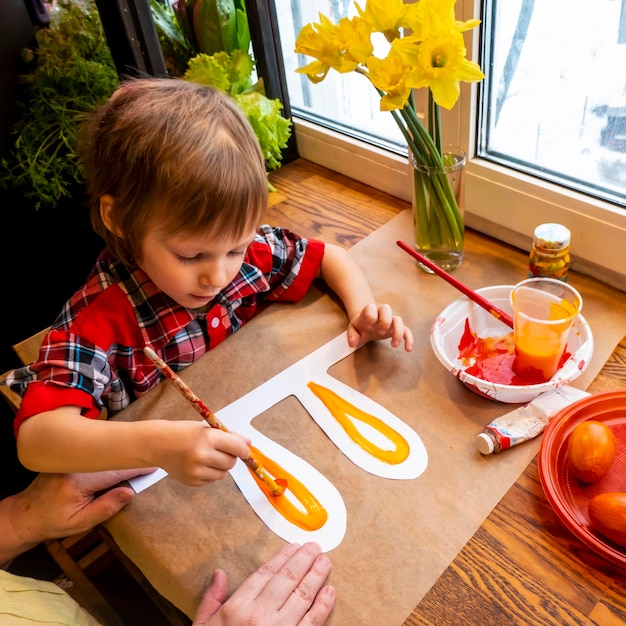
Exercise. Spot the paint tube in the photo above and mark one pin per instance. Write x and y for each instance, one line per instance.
(525, 422)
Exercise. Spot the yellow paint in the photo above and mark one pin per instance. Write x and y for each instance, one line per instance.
(345, 413)
(313, 516)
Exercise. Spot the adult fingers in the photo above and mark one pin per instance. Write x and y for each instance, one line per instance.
(104, 507)
(257, 582)
(307, 570)
(213, 598)
(321, 609)
(93, 482)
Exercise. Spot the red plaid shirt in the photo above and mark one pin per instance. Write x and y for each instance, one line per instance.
(93, 355)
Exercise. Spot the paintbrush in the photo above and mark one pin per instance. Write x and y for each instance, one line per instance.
(277, 486)
(470, 293)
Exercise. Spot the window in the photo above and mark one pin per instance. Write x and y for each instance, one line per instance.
(347, 102)
(545, 130)
(558, 115)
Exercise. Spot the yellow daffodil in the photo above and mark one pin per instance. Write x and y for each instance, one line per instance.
(340, 47)
(441, 65)
(389, 76)
(407, 49)
(437, 16)
(353, 37)
(427, 50)
(387, 16)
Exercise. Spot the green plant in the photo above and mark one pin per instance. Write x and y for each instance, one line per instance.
(215, 25)
(231, 73)
(207, 42)
(70, 73)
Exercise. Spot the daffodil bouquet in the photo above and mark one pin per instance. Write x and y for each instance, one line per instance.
(425, 48)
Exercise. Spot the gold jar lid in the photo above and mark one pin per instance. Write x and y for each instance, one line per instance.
(552, 236)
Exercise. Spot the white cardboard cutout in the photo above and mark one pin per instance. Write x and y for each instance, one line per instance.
(238, 417)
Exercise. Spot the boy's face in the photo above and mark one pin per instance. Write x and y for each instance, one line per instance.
(192, 269)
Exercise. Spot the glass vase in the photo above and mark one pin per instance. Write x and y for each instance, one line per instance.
(437, 210)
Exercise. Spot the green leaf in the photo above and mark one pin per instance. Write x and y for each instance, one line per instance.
(243, 28)
(241, 67)
(215, 25)
(272, 130)
(209, 70)
(232, 74)
(175, 36)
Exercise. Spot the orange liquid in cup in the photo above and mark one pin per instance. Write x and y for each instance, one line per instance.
(540, 367)
(540, 344)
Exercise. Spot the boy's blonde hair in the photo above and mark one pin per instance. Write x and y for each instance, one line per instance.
(175, 154)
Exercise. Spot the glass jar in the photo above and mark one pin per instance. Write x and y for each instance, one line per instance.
(550, 253)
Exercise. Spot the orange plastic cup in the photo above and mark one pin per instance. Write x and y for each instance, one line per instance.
(543, 312)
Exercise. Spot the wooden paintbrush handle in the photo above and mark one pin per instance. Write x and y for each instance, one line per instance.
(209, 416)
(457, 284)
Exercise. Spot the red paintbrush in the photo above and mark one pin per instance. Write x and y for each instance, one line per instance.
(276, 486)
(470, 293)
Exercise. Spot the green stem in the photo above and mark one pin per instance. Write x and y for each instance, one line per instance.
(420, 217)
(434, 121)
(405, 132)
(445, 205)
(443, 221)
(428, 153)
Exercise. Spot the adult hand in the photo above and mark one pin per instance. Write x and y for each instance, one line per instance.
(59, 505)
(287, 591)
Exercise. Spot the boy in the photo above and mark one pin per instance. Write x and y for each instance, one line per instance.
(179, 191)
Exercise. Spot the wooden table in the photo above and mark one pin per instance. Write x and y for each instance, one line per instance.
(522, 566)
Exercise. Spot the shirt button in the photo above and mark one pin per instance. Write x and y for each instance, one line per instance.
(215, 322)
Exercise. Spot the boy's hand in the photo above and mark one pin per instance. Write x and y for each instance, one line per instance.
(378, 322)
(196, 454)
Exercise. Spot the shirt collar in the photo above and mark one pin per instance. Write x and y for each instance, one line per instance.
(159, 317)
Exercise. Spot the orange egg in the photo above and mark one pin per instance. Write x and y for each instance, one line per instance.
(591, 450)
(607, 513)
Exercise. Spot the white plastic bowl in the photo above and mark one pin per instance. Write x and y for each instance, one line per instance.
(447, 330)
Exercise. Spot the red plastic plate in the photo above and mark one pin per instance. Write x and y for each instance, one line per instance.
(567, 495)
